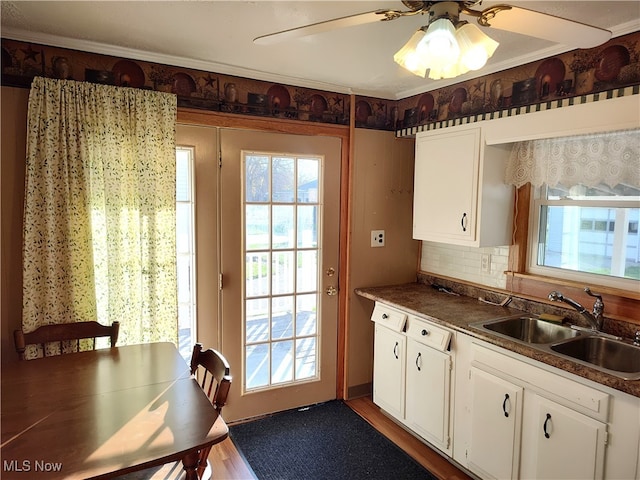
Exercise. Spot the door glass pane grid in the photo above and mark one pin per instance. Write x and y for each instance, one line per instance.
(281, 206)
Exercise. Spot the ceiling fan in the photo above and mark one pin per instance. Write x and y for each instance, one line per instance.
(502, 17)
(448, 47)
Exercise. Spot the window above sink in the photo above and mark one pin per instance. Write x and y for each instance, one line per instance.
(587, 234)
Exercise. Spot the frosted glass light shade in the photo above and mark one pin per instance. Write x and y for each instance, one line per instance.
(445, 51)
(409, 58)
(475, 46)
(450, 70)
(440, 42)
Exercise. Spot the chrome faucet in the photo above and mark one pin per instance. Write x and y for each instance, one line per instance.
(594, 318)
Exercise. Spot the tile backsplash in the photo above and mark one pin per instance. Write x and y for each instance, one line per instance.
(466, 263)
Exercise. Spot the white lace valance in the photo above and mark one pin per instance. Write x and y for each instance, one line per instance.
(604, 158)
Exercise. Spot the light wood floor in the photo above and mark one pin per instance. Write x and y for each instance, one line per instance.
(228, 464)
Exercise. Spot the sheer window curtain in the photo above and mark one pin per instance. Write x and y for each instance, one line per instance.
(99, 215)
(605, 158)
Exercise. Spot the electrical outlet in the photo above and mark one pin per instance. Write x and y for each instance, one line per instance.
(377, 238)
(485, 263)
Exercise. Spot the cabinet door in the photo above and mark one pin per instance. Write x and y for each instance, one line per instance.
(562, 443)
(388, 370)
(496, 408)
(446, 186)
(428, 380)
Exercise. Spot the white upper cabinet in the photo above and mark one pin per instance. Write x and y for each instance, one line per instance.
(459, 194)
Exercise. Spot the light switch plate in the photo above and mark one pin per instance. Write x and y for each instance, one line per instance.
(377, 238)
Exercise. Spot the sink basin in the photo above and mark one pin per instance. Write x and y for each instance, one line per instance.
(530, 329)
(605, 353)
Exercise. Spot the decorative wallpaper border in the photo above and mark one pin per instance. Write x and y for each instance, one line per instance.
(512, 111)
(572, 77)
(22, 61)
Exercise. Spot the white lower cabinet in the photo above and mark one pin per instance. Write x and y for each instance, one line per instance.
(412, 371)
(560, 442)
(388, 370)
(511, 417)
(532, 424)
(427, 392)
(496, 406)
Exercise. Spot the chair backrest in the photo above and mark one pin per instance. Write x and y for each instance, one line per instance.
(64, 332)
(215, 377)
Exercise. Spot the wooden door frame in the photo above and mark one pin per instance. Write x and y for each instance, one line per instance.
(190, 116)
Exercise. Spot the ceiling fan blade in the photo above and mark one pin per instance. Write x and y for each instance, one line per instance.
(547, 27)
(320, 27)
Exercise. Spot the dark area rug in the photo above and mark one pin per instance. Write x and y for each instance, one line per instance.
(325, 441)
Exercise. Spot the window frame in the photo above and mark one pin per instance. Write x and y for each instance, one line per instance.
(620, 304)
(532, 267)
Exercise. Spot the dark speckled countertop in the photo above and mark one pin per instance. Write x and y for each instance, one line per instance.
(458, 312)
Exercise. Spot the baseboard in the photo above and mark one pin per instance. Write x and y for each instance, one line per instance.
(357, 391)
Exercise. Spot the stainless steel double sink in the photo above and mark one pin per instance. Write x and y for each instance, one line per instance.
(615, 357)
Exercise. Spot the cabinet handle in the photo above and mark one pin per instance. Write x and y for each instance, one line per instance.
(424, 332)
(504, 405)
(385, 316)
(418, 360)
(463, 222)
(544, 427)
(395, 350)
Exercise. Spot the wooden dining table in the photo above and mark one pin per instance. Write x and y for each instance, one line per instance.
(103, 413)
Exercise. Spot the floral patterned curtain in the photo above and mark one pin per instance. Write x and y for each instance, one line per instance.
(606, 158)
(99, 215)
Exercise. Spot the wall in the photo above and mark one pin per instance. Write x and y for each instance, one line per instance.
(381, 199)
(13, 129)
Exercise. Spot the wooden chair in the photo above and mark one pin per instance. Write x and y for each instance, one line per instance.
(60, 332)
(213, 373)
(215, 380)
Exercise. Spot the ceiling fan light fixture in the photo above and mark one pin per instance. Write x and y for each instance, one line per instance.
(446, 47)
(409, 58)
(440, 41)
(446, 70)
(475, 46)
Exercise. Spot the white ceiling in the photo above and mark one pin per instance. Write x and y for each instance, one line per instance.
(217, 36)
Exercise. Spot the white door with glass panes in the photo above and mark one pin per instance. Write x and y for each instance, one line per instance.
(279, 261)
